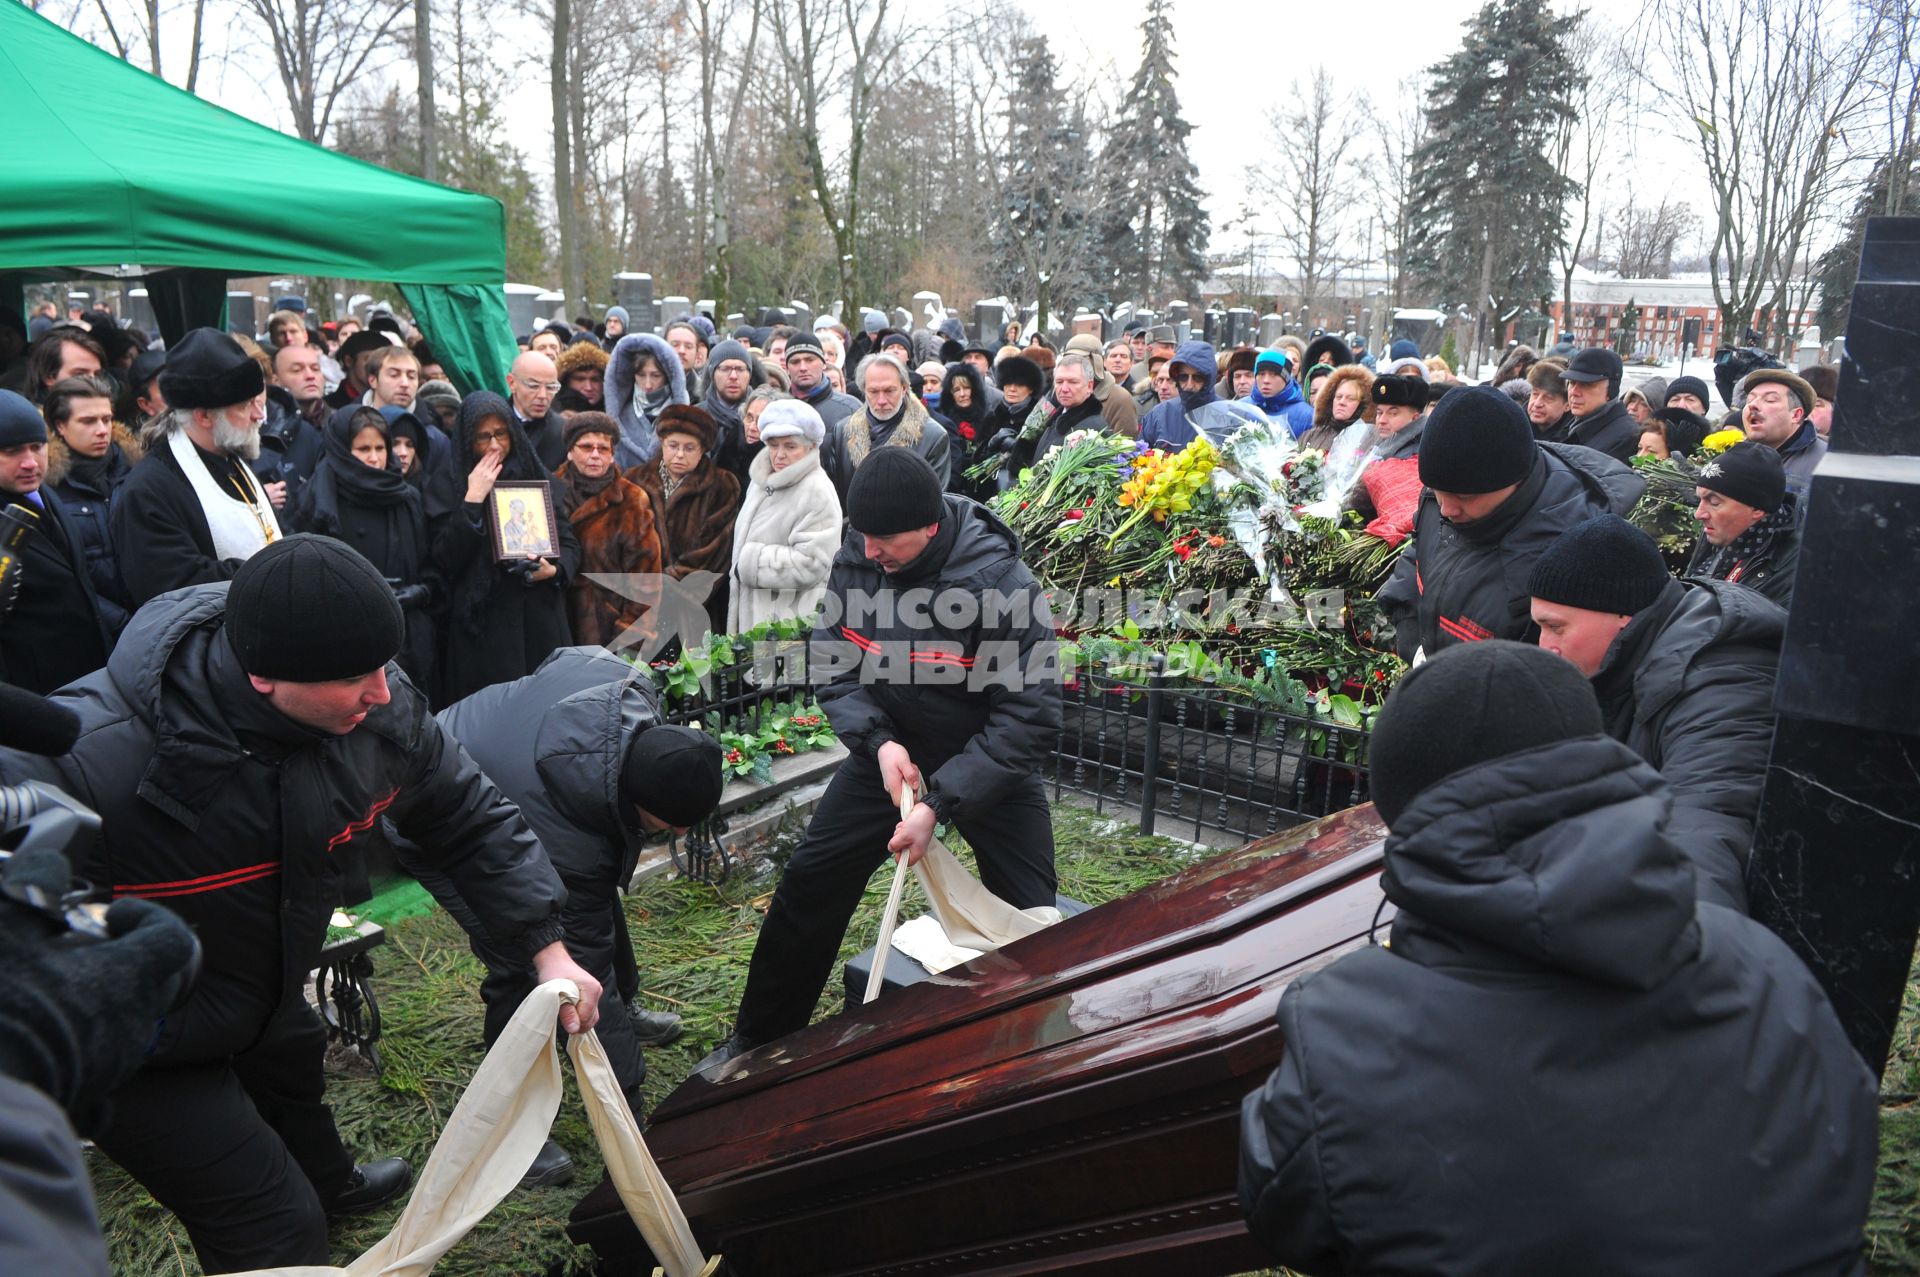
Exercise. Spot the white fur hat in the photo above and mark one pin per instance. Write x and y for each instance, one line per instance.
(792, 417)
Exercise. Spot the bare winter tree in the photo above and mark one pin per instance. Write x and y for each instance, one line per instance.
(1771, 89)
(1585, 140)
(322, 47)
(720, 110)
(830, 49)
(1311, 201)
(1646, 240)
(133, 31)
(1401, 130)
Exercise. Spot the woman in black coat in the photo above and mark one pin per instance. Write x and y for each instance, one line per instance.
(358, 495)
(503, 618)
(963, 399)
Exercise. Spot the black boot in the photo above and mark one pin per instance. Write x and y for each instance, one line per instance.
(737, 1044)
(654, 1028)
(551, 1167)
(372, 1184)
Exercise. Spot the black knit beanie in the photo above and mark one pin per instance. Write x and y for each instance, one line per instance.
(1603, 565)
(1471, 704)
(20, 421)
(1750, 472)
(310, 609)
(673, 774)
(894, 490)
(1476, 440)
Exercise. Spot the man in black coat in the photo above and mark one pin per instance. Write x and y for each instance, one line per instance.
(1495, 499)
(579, 746)
(1684, 671)
(1749, 522)
(1564, 1063)
(1600, 420)
(52, 630)
(941, 676)
(193, 510)
(239, 747)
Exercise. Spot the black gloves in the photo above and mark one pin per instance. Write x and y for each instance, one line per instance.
(413, 598)
(1002, 440)
(77, 1016)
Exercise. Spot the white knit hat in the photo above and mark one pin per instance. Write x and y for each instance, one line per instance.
(792, 417)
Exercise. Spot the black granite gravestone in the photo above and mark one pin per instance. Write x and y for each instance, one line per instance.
(1836, 857)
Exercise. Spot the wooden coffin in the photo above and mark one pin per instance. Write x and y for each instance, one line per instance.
(1068, 1104)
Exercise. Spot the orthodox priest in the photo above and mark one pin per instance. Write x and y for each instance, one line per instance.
(193, 511)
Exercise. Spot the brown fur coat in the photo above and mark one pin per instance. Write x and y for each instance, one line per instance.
(696, 526)
(618, 534)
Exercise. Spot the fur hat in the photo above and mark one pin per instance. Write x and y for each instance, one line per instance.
(1018, 370)
(580, 355)
(590, 423)
(1040, 357)
(1329, 350)
(1545, 377)
(1400, 392)
(209, 369)
(1240, 360)
(685, 419)
(792, 417)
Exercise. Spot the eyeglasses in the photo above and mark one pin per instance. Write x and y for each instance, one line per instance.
(1192, 379)
(538, 387)
(489, 436)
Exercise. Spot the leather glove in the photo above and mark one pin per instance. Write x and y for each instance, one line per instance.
(17, 524)
(413, 598)
(78, 1015)
(1002, 440)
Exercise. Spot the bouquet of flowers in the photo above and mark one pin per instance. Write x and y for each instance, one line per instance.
(1163, 485)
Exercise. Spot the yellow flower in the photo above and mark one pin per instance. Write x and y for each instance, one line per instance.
(1720, 440)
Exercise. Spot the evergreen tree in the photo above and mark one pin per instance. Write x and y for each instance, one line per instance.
(1156, 232)
(1488, 205)
(1046, 235)
(1890, 190)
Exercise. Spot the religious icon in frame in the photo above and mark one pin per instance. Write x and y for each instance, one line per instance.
(521, 515)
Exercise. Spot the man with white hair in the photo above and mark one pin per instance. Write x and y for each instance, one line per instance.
(193, 511)
(893, 416)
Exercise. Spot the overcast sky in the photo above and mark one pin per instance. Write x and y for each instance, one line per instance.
(1235, 62)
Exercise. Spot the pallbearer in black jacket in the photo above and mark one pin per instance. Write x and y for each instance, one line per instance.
(240, 746)
(940, 650)
(1564, 1063)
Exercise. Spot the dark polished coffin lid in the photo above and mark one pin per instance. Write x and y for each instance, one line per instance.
(1069, 1103)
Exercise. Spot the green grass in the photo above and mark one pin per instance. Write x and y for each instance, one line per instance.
(691, 941)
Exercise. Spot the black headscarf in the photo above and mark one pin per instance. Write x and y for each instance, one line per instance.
(522, 465)
(376, 511)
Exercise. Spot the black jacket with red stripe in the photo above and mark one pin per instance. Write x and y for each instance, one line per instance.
(252, 827)
(953, 656)
(1461, 584)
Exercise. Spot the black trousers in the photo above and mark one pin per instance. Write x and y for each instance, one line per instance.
(596, 935)
(845, 842)
(244, 1151)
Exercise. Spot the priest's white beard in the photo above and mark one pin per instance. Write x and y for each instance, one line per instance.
(236, 440)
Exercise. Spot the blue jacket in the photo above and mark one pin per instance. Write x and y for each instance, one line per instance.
(1168, 424)
(1289, 406)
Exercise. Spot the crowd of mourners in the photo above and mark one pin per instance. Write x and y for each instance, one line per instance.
(497, 544)
(689, 452)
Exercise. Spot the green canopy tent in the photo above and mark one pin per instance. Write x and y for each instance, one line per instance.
(135, 179)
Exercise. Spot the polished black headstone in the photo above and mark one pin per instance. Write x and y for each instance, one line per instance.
(1836, 857)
